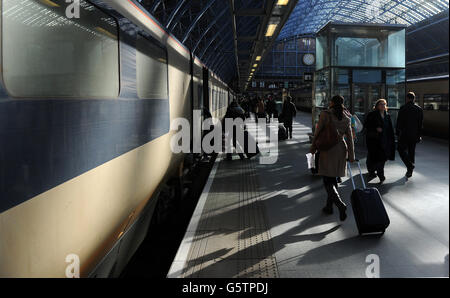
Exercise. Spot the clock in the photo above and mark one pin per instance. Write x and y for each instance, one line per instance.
(309, 59)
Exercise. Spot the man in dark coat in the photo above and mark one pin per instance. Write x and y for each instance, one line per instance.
(288, 113)
(380, 140)
(409, 131)
(234, 111)
(271, 108)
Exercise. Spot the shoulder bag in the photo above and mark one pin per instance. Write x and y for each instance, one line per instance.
(328, 137)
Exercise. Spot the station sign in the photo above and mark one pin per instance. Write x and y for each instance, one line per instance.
(307, 77)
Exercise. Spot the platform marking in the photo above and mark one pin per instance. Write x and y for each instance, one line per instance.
(179, 263)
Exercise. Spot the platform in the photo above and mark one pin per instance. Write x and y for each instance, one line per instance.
(256, 220)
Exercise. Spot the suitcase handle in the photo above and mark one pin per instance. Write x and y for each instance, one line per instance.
(360, 173)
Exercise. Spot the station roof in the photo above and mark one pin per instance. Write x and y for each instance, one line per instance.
(429, 38)
(310, 15)
(231, 37)
(227, 36)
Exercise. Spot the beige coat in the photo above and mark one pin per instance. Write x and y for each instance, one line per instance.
(333, 162)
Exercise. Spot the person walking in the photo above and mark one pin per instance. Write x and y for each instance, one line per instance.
(271, 108)
(380, 140)
(409, 131)
(332, 162)
(260, 109)
(288, 113)
(234, 111)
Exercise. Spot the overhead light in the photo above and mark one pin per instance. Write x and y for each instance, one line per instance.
(258, 58)
(271, 29)
(255, 65)
(282, 2)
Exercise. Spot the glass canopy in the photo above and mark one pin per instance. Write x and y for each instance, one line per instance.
(310, 15)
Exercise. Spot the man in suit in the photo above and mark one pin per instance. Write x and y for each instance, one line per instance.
(409, 131)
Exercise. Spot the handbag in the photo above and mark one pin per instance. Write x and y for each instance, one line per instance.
(358, 124)
(328, 137)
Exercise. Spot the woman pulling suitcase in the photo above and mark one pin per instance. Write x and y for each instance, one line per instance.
(333, 125)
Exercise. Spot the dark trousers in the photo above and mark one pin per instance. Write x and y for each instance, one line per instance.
(375, 166)
(407, 151)
(330, 181)
(331, 186)
(260, 115)
(235, 145)
(288, 126)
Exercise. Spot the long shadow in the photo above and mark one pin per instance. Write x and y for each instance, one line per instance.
(265, 249)
(289, 210)
(282, 179)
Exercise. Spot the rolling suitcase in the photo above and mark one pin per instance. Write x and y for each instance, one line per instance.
(282, 133)
(368, 208)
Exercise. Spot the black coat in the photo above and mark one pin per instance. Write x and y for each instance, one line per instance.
(271, 106)
(234, 112)
(381, 146)
(409, 122)
(288, 112)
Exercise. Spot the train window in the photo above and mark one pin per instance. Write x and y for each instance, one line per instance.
(151, 69)
(46, 54)
(435, 102)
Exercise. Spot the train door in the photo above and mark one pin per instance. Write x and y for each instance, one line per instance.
(206, 88)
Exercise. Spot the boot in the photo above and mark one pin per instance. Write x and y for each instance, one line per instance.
(334, 196)
(381, 176)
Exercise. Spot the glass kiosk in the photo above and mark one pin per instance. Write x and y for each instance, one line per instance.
(361, 62)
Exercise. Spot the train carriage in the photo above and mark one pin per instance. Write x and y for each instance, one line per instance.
(85, 110)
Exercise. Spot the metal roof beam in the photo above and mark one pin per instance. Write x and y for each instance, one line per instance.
(199, 16)
(252, 12)
(155, 6)
(174, 13)
(211, 41)
(233, 24)
(263, 45)
(247, 38)
(217, 59)
(214, 51)
(216, 19)
(428, 25)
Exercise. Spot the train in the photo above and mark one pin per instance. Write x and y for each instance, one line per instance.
(302, 98)
(86, 105)
(431, 96)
